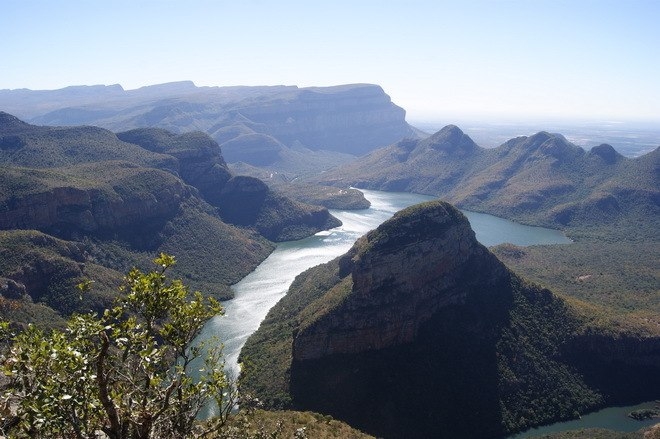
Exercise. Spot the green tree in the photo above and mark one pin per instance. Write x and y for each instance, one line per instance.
(134, 372)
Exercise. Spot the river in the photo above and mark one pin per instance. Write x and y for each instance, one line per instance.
(260, 290)
(611, 418)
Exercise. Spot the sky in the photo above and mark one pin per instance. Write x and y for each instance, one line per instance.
(497, 59)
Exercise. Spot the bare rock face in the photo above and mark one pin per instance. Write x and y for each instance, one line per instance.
(353, 119)
(64, 211)
(402, 274)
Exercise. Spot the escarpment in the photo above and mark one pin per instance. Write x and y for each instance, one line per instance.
(419, 331)
(351, 118)
(240, 200)
(401, 274)
(121, 198)
(128, 197)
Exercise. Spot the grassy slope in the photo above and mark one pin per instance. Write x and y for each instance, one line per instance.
(609, 283)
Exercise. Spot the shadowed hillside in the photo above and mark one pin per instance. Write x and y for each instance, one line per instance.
(419, 331)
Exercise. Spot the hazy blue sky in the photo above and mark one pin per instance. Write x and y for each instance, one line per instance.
(496, 59)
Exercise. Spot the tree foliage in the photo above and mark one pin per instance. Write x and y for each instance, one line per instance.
(133, 372)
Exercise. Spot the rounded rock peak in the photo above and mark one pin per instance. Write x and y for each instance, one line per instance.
(451, 139)
(421, 222)
(605, 152)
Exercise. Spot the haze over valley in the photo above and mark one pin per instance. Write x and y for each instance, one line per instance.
(421, 219)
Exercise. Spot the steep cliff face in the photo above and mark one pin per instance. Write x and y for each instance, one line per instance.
(401, 274)
(419, 331)
(353, 118)
(130, 198)
(240, 200)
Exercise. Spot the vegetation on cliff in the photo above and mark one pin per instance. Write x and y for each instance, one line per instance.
(541, 179)
(608, 204)
(494, 350)
(119, 200)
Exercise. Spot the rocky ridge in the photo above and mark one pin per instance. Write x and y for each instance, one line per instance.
(541, 179)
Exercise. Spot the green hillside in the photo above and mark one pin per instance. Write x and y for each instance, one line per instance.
(120, 199)
(419, 331)
(541, 179)
(608, 204)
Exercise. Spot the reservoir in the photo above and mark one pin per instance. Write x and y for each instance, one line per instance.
(260, 290)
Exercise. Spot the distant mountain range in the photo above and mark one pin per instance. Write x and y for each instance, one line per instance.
(540, 179)
(256, 125)
(83, 201)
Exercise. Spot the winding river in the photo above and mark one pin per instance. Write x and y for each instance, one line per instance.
(260, 290)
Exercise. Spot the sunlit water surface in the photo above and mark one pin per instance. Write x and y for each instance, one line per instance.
(260, 290)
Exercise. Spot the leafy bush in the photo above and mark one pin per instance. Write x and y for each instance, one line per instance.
(128, 373)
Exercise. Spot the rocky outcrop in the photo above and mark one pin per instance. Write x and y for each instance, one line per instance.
(402, 274)
(67, 211)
